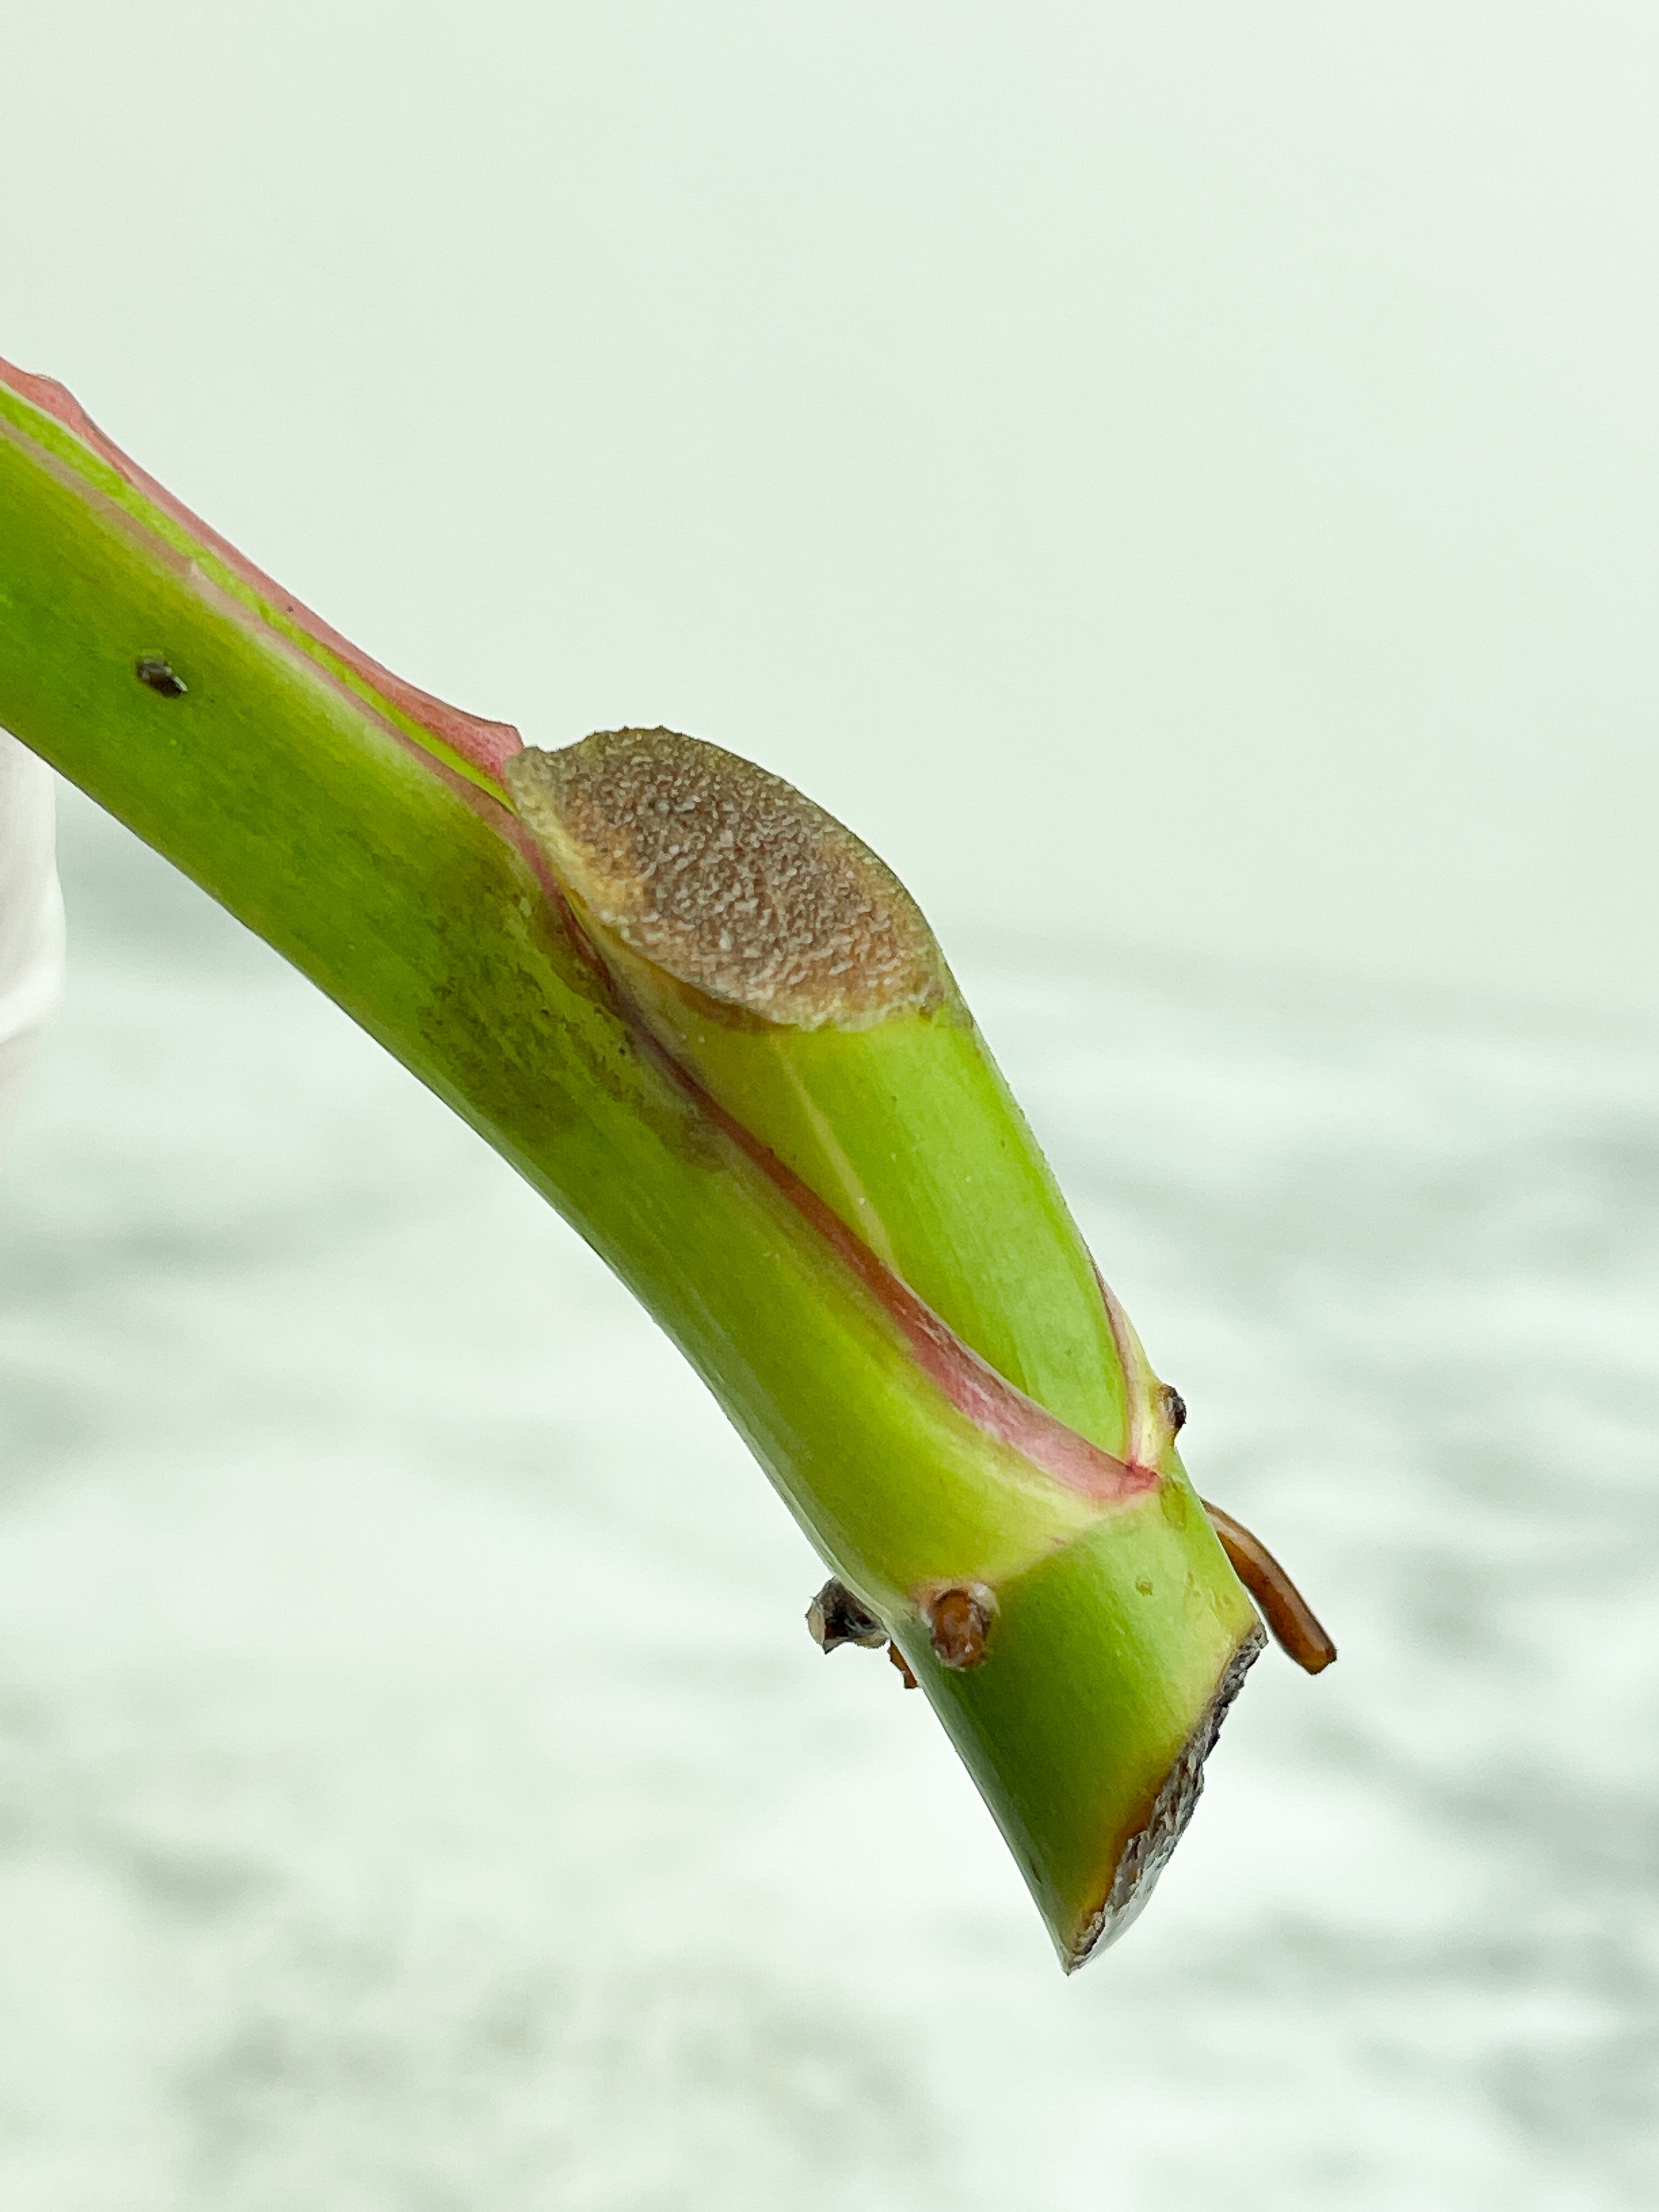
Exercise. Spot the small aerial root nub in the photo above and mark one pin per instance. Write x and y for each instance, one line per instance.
(1292, 1620)
(959, 1623)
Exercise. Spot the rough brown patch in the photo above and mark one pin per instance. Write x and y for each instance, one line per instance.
(959, 1621)
(1148, 1853)
(728, 877)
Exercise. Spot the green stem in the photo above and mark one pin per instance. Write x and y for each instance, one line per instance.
(364, 832)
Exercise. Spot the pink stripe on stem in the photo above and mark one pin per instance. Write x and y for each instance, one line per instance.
(486, 745)
(971, 1384)
(1145, 1420)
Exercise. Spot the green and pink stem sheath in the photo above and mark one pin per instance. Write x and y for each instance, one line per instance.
(710, 1027)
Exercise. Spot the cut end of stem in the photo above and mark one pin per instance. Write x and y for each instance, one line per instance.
(729, 879)
(1150, 1849)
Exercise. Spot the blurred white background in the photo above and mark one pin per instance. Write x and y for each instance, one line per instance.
(1180, 481)
(1183, 476)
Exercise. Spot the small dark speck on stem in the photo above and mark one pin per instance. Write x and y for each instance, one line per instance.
(1175, 1409)
(160, 675)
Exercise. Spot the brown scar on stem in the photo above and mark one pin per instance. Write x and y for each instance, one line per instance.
(902, 1664)
(1296, 1628)
(835, 1617)
(959, 1623)
(729, 879)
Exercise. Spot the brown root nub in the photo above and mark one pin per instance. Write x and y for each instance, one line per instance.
(1296, 1629)
(1175, 1409)
(728, 879)
(902, 1664)
(836, 1617)
(958, 1622)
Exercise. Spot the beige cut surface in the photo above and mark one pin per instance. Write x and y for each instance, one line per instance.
(729, 879)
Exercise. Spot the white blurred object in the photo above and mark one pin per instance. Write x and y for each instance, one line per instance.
(31, 911)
